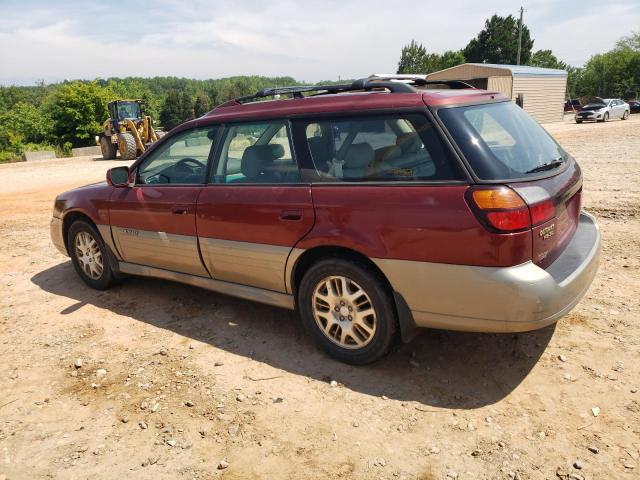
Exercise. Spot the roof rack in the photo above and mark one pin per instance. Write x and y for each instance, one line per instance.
(394, 83)
(418, 80)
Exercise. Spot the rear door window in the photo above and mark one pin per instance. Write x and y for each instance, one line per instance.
(379, 148)
(257, 153)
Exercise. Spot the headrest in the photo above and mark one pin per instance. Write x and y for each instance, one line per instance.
(254, 159)
(409, 142)
(275, 150)
(359, 155)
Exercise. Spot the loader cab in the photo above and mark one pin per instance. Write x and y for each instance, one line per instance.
(126, 110)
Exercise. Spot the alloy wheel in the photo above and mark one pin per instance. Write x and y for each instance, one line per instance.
(344, 312)
(89, 255)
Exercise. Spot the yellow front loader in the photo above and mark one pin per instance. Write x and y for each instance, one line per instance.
(128, 130)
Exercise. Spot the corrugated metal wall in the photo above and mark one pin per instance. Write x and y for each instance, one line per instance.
(501, 84)
(543, 96)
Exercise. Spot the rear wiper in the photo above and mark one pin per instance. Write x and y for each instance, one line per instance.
(546, 166)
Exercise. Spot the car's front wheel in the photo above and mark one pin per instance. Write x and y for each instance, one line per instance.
(605, 118)
(89, 255)
(348, 310)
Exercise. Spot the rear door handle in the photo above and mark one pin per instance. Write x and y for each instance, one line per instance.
(291, 215)
(180, 210)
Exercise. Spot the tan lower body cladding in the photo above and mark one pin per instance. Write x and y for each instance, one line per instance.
(178, 253)
(253, 264)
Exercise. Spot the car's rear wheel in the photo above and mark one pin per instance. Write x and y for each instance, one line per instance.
(348, 310)
(89, 255)
(625, 115)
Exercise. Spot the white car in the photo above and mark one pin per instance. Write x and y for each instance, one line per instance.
(604, 109)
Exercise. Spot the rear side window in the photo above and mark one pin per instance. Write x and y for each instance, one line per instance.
(379, 148)
(257, 153)
(501, 141)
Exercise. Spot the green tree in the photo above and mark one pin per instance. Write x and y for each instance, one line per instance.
(27, 122)
(631, 41)
(612, 74)
(546, 59)
(202, 104)
(412, 58)
(498, 42)
(171, 112)
(415, 59)
(451, 58)
(186, 107)
(78, 111)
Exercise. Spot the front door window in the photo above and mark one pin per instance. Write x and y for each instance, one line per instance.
(181, 160)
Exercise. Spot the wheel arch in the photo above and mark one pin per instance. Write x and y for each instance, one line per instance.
(68, 220)
(74, 215)
(307, 258)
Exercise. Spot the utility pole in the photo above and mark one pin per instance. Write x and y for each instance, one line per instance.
(520, 35)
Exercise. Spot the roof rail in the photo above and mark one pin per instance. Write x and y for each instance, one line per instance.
(418, 80)
(394, 83)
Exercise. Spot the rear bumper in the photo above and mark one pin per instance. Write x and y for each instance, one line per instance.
(57, 237)
(498, 299)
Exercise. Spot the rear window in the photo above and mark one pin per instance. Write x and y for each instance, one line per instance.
(501, 141)
(379, 148)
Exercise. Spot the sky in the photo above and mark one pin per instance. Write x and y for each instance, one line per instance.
(308, 40)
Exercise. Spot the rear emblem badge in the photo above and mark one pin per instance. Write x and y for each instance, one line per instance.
(547, 232)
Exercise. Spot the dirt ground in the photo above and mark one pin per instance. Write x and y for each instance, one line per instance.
(174, 380)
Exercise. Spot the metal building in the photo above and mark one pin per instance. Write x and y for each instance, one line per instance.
(542, 89)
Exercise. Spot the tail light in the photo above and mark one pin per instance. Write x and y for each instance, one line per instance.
(541, 212)
(502, 210)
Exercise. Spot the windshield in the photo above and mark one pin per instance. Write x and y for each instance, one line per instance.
(501, 141)
(128, 110)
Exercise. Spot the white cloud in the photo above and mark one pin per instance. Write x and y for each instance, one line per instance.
(309, 40)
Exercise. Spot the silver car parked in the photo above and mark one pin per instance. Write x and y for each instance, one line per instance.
(603, 109)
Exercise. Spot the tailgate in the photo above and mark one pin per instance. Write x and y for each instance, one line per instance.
(564, 191)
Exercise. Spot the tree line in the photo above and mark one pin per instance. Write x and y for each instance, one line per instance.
(70, 114)
(615, 73)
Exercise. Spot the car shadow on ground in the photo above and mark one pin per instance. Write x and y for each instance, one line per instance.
(438, 368)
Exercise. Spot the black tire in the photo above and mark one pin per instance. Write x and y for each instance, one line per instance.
(605, 117)
(107, 277)
(373, 286)
(578, 121)
(109, 149)
(625, 115)
(127, 146)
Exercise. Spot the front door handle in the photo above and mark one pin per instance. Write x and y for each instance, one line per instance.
(180, 210)
(291, 215)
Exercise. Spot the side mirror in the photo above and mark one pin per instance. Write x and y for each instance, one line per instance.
(118, 176)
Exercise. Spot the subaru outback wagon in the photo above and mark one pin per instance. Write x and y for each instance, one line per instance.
(372, 208)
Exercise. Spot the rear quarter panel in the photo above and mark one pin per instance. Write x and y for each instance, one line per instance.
(421, 223)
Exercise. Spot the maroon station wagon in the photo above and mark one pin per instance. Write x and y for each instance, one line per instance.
(372, 208)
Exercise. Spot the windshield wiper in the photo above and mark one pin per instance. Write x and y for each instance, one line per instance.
(547, 166)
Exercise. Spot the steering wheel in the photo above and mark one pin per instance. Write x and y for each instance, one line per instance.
(188, 166)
